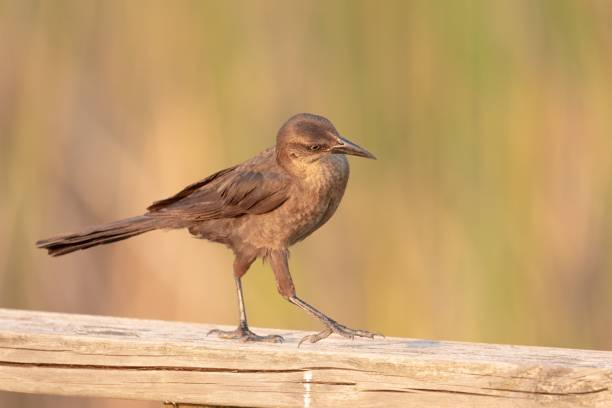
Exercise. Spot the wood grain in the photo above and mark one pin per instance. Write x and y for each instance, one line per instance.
(175, 362)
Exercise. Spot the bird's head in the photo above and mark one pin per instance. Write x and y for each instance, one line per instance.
(306, 138)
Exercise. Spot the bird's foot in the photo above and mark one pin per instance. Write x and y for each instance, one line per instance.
(335, 327)
(244, 334)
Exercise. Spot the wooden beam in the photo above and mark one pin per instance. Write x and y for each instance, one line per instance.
(99, 356)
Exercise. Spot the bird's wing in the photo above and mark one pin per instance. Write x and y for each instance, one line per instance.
(253, 192)
(233, 193)
(190, 189)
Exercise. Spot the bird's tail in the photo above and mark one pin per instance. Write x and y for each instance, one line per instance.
(98, 235)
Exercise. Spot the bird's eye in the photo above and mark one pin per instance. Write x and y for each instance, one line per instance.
(315, 147)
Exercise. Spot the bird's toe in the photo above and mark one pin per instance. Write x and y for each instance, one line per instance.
(315, 337)
(245, 335)
(272, 338)
(351, 333)
(224, 334)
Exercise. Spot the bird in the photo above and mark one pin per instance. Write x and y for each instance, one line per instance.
(258, 209)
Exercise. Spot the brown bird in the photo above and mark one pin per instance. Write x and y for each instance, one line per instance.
(258, 209)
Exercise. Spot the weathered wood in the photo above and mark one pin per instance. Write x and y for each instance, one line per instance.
(167, 361)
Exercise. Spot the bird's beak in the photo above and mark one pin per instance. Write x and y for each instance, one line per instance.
(345, 146)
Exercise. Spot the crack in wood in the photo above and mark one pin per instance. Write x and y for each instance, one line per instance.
(185, 404)
(326, 382)
(556, 394)
(561, 394)
(415, 390)
(168, 368)
(80, 353)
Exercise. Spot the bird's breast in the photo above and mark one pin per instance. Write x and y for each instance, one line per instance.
(317, 196)
(313, 199)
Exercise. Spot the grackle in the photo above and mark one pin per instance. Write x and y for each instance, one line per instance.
(258, 209)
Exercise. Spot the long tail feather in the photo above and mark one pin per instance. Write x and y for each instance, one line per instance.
(98, 235)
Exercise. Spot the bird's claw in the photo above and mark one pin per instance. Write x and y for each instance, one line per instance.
(245, 335)
(335, 327)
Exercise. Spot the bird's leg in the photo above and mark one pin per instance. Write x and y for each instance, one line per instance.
(332, 325)
(284, 283)
(243, 332)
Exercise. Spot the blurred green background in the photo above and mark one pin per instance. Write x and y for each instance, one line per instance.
(486, 217)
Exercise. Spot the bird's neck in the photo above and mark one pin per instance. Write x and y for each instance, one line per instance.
(291, 165)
